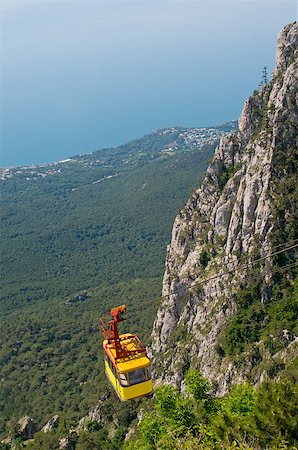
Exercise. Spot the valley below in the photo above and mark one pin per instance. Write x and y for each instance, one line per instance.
(98, 222)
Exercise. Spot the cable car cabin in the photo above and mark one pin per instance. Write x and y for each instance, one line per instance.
(127, 365)
(130, 376)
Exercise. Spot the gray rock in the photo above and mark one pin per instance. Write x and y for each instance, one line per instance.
(64, 444)
(51, 424)
(26, 428)
(231, 222)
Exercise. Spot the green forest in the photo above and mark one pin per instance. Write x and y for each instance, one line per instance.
(69, 232)
(248, 418)
(245, 419)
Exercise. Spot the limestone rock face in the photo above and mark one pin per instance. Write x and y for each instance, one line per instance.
(94, 415)
(287, 43)
(51, 424)
(99, 414)
(64, 444)
(26, 427)
(225, 226)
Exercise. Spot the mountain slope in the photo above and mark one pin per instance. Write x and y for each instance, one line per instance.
(229, 307)
(65, 225)
(98, 222)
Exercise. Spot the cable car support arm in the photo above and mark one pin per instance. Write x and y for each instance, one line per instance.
(111, 334)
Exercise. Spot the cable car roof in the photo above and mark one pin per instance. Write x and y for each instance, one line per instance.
(132, 361)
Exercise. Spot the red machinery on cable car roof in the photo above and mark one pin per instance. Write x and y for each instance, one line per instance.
(127, 365)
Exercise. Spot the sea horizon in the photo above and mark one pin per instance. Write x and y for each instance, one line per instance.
(78, 77)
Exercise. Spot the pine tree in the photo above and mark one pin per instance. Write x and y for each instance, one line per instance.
(265, 75)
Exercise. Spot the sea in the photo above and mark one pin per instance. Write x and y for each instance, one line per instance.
(77, 76)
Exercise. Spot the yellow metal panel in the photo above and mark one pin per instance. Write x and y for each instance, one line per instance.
(111, 376)
(133, 364)
(129, 392)
(137, 390)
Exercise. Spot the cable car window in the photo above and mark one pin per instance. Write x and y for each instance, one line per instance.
(137, 376)
(111, 365)
(123, 379)
(148, 373)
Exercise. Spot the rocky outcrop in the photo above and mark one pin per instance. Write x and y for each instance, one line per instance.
(226, 226)
(64, 444)
(101, 414)
(51, 424)
(26, 428)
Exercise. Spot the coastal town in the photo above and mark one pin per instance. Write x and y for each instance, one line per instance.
(194, 137)
(163, 143)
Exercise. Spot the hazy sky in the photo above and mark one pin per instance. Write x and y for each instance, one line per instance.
(80, 75)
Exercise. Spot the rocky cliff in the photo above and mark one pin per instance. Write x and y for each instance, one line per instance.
(226, 256)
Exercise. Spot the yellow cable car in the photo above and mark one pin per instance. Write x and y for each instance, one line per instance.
(127, 365)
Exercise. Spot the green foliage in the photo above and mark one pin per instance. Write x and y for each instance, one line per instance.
(94, 440)
(70, 233)
(172, 417)
(151, 429)
(51, 357)
(204, 258)
(246, 419)
(119, 437)
(184, 414)
(241, 400)
(265, 75)
(244, 329)
(165, 400)
(227, 173)
(265, 416)
(255, 321)
(93, 426)
(275, 413)
(231, 415)
(264, 120)
(170, 404)
(259, 107)
(197, 385)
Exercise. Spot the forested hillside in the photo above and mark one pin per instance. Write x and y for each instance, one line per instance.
(90, 220)
(247, 418)
(97, 222)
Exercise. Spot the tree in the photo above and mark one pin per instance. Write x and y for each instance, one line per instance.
(265, 75)
(197, 385)
(264, 79)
